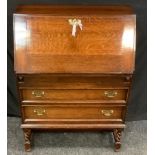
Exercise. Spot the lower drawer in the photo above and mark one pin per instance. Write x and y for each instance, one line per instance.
(65, 112)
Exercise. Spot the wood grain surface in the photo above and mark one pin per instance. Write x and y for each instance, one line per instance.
(44, 44)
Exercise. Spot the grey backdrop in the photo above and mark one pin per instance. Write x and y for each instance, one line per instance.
(137, 102)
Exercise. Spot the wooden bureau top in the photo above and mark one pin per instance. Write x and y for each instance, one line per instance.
(44, 43)
(72, 10)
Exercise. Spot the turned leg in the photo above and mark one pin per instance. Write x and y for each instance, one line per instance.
(117, 138)
(27, 137)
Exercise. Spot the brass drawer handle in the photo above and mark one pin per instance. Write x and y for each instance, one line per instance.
(107, 112)
(110, 93)
(39, 112)
(38, 93)
(75, 23)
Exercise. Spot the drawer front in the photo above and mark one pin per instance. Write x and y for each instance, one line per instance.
(74, 81)
(72, 112)
(101, 94)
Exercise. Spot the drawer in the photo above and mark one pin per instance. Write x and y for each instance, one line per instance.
(80, 94)
(72, 112)
(65, 81)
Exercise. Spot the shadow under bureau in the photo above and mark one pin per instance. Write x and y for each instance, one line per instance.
(74, 67)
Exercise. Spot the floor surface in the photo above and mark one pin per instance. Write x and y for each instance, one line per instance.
(133, 141)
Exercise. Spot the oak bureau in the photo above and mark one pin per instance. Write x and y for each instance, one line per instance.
(74, 67)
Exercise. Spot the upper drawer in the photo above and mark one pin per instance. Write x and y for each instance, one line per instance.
(56, 44)
(105, 94)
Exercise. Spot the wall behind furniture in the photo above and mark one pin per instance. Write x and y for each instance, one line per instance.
(138, 98)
